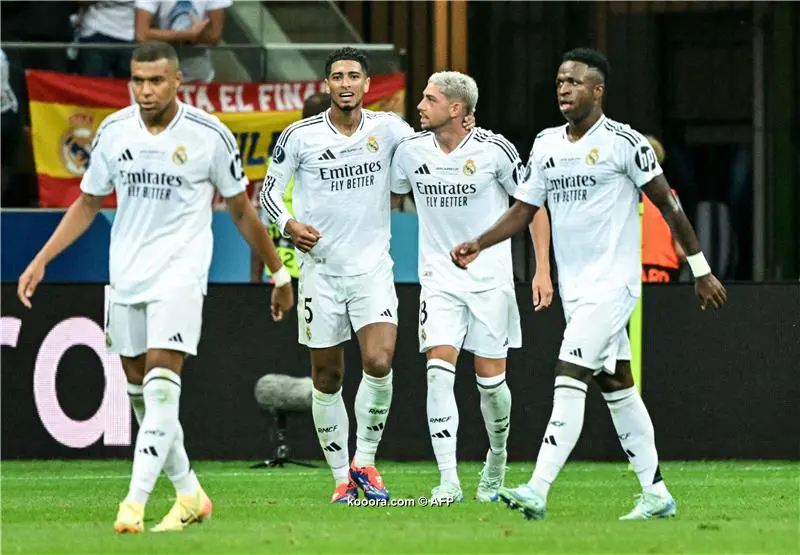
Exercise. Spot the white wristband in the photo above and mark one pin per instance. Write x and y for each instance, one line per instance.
(281, 277)
(698, 264)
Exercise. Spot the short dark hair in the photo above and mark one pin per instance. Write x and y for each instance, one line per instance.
(591, 58)
(316, 104)
(155, 50)
(347, 53)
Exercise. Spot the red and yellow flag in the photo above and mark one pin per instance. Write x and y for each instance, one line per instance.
(66, 111)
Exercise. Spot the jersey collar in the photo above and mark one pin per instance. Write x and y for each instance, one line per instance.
(464, 141)
(327, 118)
(594, 128)
(172, 124)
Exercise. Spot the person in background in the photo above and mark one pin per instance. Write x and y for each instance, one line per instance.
(109, 22)
(662, 256)
(314, 104)
(190, 26)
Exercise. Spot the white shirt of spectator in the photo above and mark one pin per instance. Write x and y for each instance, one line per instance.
(161, 237)
(179, 15)
(458, 196)
(8, 100)
(592, 189)
(112, 19)
(341, 188)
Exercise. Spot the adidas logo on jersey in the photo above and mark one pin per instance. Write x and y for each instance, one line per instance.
(549, 164)
(387, 313)
(576, 353)
(327, 155)
(423, 170)
(126, 156)
(177, 338)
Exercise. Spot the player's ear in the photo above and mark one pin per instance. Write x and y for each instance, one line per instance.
(179, 78)
(366, 85)
(599, 92)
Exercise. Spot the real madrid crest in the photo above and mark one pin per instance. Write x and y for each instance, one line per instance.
(469, 167)
(593, 157)
(372, 144)
(308, 332)
(180, 156)
(108, 340)
(422, 334)
(76, 143)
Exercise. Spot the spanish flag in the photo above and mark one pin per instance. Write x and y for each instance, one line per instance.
(66, 111)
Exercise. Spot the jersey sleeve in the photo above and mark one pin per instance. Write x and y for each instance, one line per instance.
(284, 164)
(400, 183)
(533, 186)
(227, 171)
(636, 157)
(510, 168)
(98, 179)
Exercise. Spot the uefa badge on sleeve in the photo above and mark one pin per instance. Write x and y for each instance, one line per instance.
(372, 145)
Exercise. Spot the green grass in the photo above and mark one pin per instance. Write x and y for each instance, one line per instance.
(723, 507)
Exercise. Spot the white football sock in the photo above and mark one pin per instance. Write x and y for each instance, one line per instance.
(162, 391)
(562, 432)
(333, 427)
(637, 437)
(136, 397)
(443, 417)
(373, 399)
(496, 411)
(176, 466)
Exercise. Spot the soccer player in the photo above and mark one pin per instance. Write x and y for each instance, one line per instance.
(461, 181)
(163, 159)
(340, 161)
(590, 172)
(313, 105)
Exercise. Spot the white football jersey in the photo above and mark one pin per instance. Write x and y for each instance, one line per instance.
(458, 196)
(341, 188)
(161, 237)
(592, 189)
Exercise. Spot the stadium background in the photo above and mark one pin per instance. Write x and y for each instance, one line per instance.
(717, 82)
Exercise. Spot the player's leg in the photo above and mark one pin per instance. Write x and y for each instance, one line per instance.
(323, 327)
(177, 466)
(493, 327)
(442, 328)
(372, 307)
(173, 333)
(636, 435)
(583, 352)
(126, 336)
(330, 417)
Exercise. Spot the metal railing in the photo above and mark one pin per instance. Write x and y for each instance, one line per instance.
(259, 62)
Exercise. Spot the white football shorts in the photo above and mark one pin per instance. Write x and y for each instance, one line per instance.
(596, 335)
(173, 323)
(485, 323)
(328, 306)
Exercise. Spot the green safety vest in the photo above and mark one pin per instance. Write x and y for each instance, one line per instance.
(284, 246)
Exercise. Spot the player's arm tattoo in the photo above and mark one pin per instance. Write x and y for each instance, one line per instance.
(659, 191)
(513, 221)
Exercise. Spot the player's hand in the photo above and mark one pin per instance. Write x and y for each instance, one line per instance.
(29, 280)
(282, 301)
(469, 121)
(304, 236)
(463, 254)
(710, 292)
(542, 287)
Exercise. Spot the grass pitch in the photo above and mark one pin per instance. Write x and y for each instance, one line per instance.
(723, 507)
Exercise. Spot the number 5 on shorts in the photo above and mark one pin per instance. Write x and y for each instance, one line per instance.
(307, 308)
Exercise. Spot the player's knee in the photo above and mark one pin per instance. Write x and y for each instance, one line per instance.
(377, 365)
(622, 378)
(327, 379)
